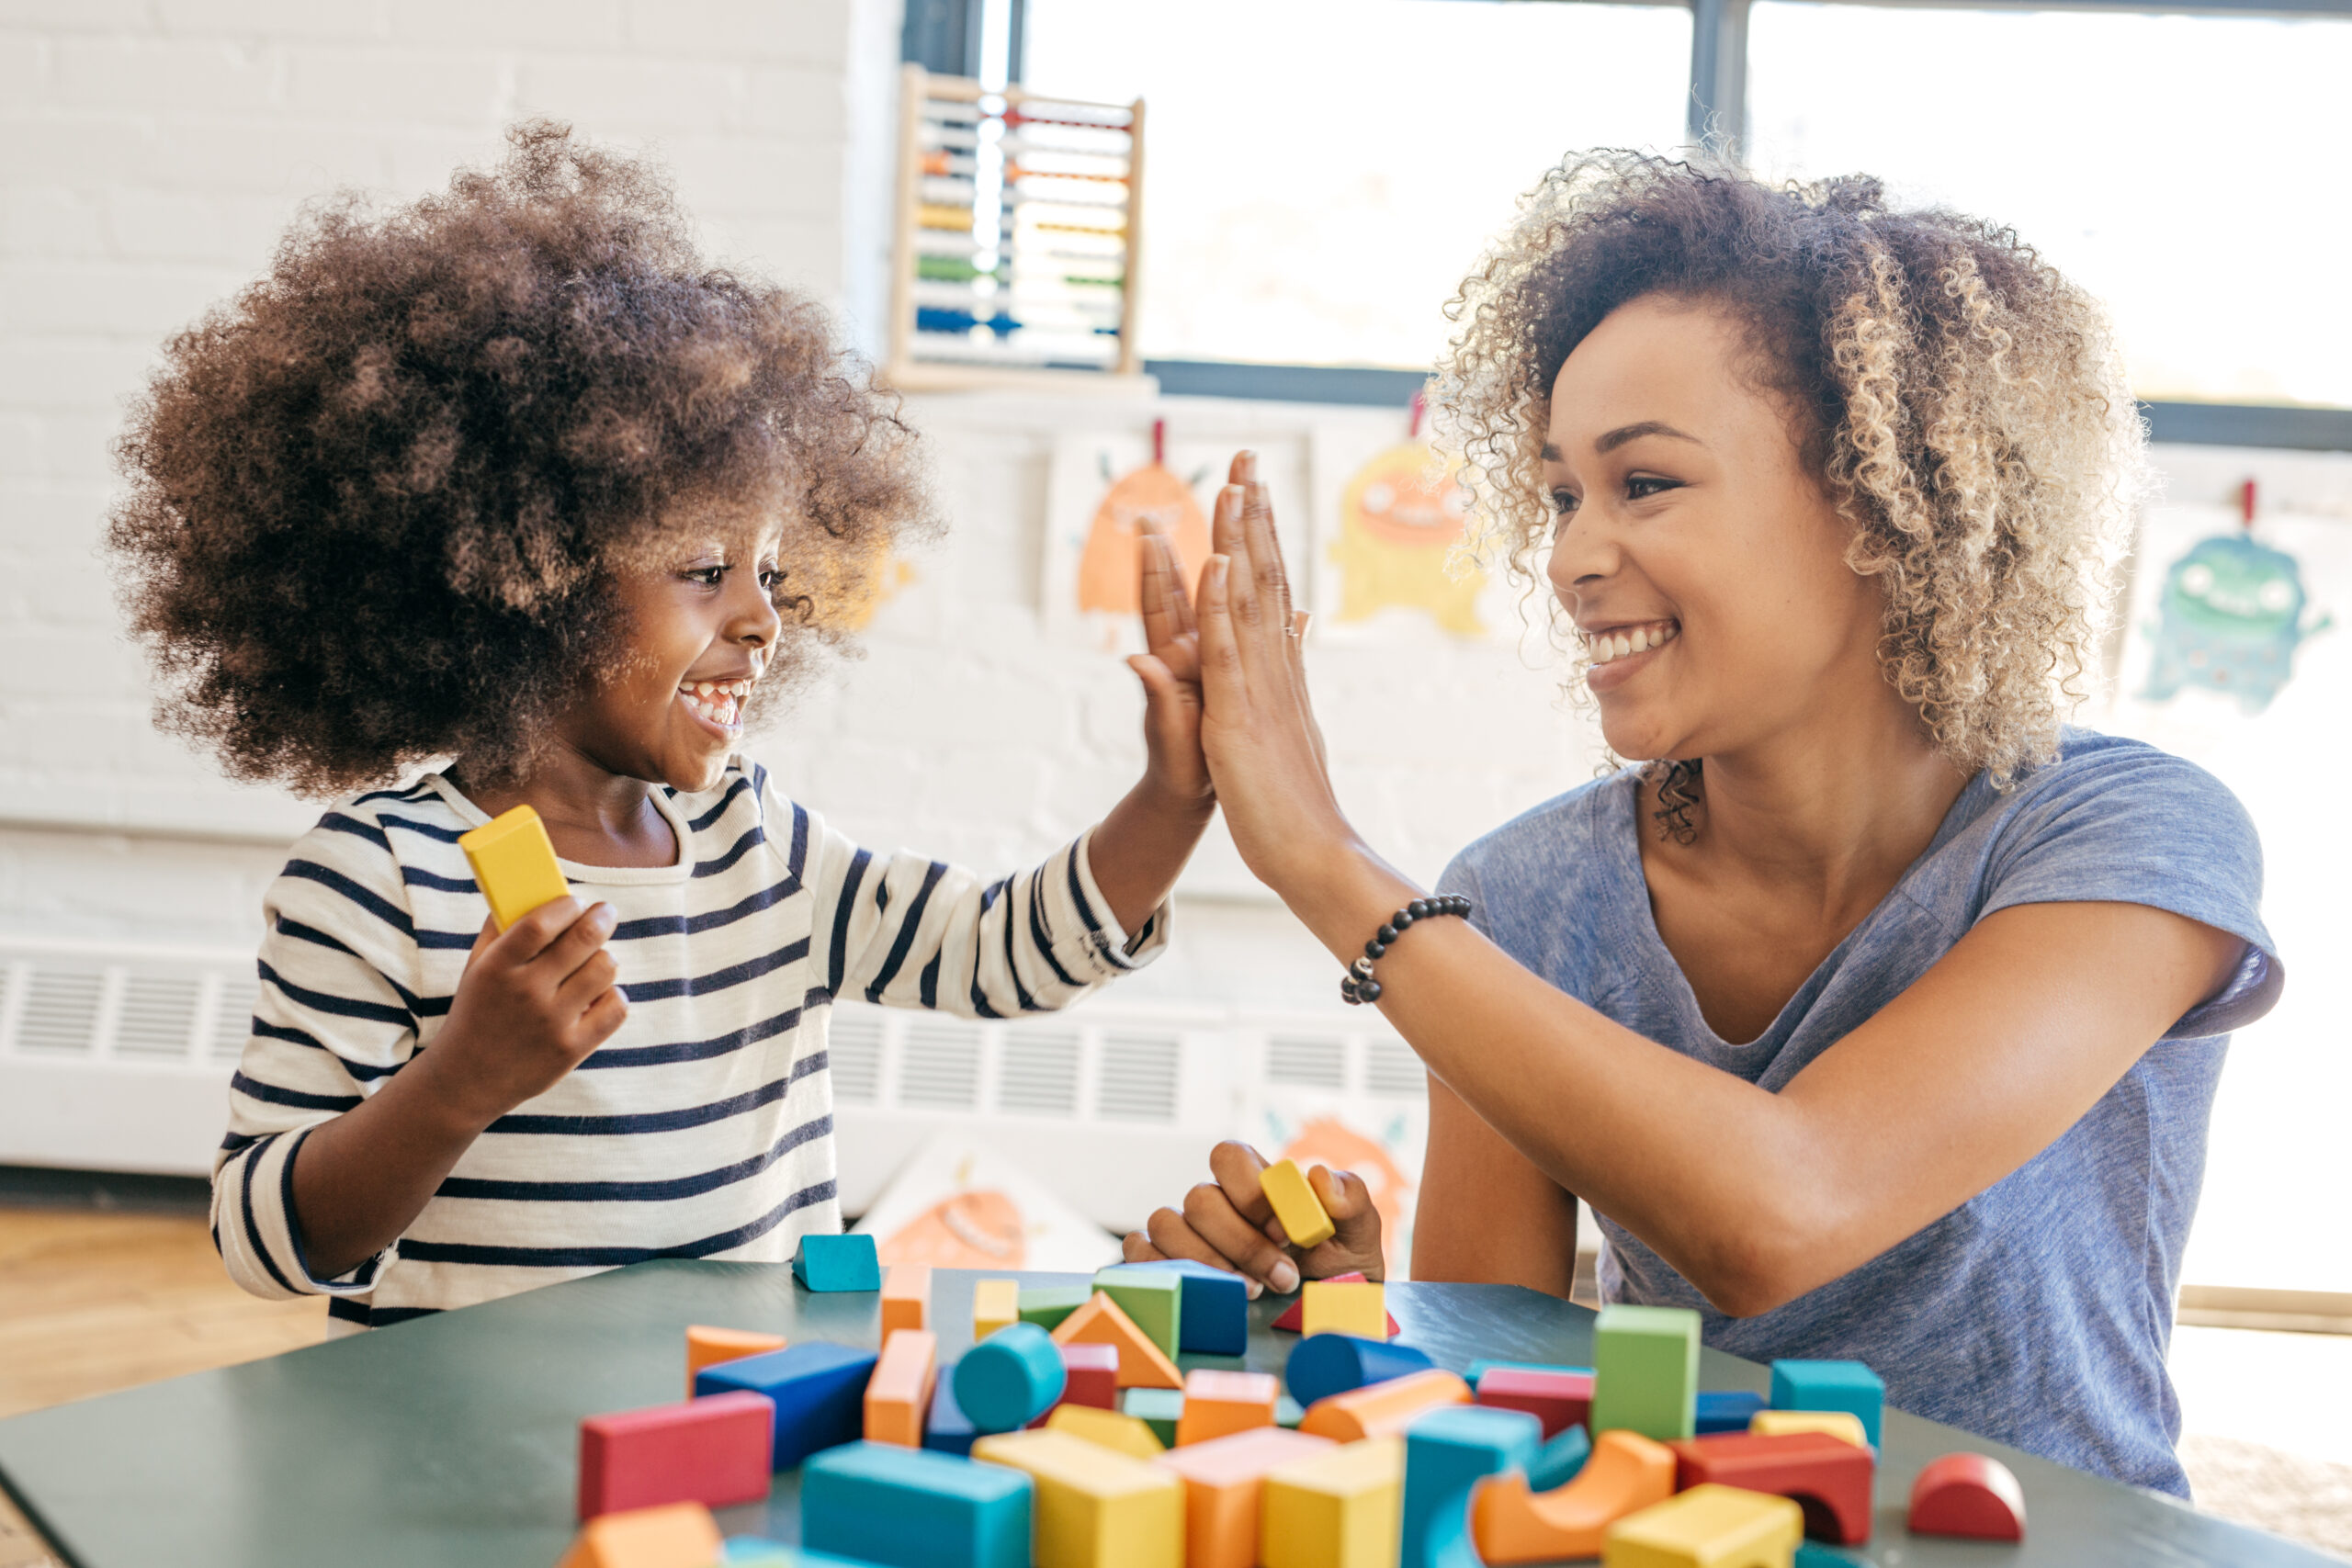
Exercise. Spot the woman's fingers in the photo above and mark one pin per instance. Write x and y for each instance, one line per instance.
(1268, 577)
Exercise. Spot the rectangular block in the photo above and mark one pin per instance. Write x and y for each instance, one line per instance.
(996, 1304)
(1724, 1410)
(513, 865)
(707, 1347)
(1559, 1400)
(1843, 1425)
(1340, 1509)
(837, 1263)
(1093, 1508)
(1646, 1372)
(1106, 1428)
(1831, 1479)
(1046, 1306)
(1216, 1312)
(906, 1298)
(1223, 1479)
(1295, 1204)
(1831, 1385)
(1090, 1375)
(1161, 1409)
(712, 1451)
(949, 1430)
(1326, 1306)
(898, 1397)
(1152, 1297)
(672, 1536)
(1479, 1368)
(1446, 1452)
(1702, 1527)
(909, 1509)
(819, 1391)
(1219, 1404)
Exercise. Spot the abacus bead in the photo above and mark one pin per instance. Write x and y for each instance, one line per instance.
(1369, 991)
(1386, 934)
(1374, 949)
(1419, 908)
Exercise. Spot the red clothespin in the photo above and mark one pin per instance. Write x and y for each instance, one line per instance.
(2245, 504)
(1160, 443)
(1413, 422)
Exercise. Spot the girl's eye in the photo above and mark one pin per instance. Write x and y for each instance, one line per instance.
(709, 576)
(1642, 487)
(772, 578)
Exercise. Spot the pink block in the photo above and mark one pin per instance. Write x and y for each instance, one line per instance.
(713, 1450)
(1559, 1400)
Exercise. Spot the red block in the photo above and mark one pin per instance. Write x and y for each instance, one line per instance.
(1090, 1376)
(1294, 1316)
(1827, 1477)
(713, 1450)
(1968, 1494)
(1559, 1400)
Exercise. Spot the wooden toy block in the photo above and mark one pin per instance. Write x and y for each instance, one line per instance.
(1559, 1400)
(1811, 1556)
(1010, 1379)
(1707, 1527)
(1215, 1310)
(837, 1263)
(996, 1304)
(1099, 1322)
(898, 1397)
(1153, 1300)
(948, 1430)
(1294, 1316)
(707, 1347)
(1831, 1385)
(1479, 1368)
(1295, 1204)
(1828, 1478)
(1161, 1409)
(713, 1451)
(1121, 1434)
(906, 1298)
(1090, 1375)
(1327, 1306)
(1338, 1510)
(1094, 1508)
(759, 1553)
(1972, 1495)
(1223, 1478)
(1446, 1452)
(677, 1535)
(1383, 1409)
(1326, 1364)
(819, 1391)
(1048, 1305)
(907, 1508)
(515, 865)
(1725, 1412)
(1626, 1473)
(1840, 1424)
(1646, 1372)
(1219, 1404)
(1557, 1462)
(1289, 1412)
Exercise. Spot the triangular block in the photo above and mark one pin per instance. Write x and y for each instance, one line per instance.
(1099, 1322)
(1294, 1316)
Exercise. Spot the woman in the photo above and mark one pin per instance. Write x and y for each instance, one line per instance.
(1878, 1015)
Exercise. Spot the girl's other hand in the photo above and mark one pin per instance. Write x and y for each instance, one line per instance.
(533, 1002)
(1229, 1225)
(1169, 671)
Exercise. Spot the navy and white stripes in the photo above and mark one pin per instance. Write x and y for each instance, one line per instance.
(702, 1129)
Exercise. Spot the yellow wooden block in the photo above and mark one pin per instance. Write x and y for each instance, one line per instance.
(513, 865)
(1093, 1507)
(1841, 1424)
(1339, 1509)
(996, 1304)
(1707, 1527)
(707, 1347)
(676, 1535)
(1358, 1307)
(1295, 1204)
(1121, 1434)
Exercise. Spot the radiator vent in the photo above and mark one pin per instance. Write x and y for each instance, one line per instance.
(61, 1016)
(854, 1046)
(1138, 1078)
(1390, 1068)
(939, 1066)
(232, 1016)
(1316, 1063)
(1038, 1074)
(157, 1021)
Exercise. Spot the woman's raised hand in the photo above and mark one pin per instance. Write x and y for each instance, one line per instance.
(1227, 1223)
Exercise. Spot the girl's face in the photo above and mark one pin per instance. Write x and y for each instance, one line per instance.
(1701, 560)
(704, 625)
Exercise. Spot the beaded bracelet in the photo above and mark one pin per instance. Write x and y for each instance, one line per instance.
(1358, 986)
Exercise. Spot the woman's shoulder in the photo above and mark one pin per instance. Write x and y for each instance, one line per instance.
(1552, 846)
(2100, 784)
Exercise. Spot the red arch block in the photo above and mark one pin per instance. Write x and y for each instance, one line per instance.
(1968, 1494)
(1827, 1477)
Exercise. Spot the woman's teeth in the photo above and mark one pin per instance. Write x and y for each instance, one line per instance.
(1619, 642)
(720, 702)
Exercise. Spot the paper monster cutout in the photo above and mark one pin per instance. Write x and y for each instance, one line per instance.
(1399, 518)
(1107, 567)
(2230, 619)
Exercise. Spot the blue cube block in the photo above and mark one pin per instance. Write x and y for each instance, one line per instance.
(1214, 1319)
(913, 1508)
(1831, 1385)
(1326, 1364)
(819, 1390)
(947, 1430)
(837, 1263)
(1723, 1411)
(1446, 1452)
(1560, 1460)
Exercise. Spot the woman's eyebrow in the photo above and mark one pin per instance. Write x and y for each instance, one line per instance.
(1624, 432)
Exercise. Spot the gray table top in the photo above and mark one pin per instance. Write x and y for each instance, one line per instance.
(452, 1441)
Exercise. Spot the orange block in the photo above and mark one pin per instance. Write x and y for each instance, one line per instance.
(1386, 1409)
(906, 1298)
(1099, 1322)
(1217, 1404)
(1626, 1473)
(676, 1535)
(1223, 1478)
(898, 1397)
(707, 1346)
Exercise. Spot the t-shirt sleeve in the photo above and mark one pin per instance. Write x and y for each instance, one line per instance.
(2141, 826)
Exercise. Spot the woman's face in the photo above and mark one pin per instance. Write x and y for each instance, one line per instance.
(1700, 561)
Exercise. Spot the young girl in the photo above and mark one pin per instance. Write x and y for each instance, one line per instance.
(511, 477)
(1880, 1015)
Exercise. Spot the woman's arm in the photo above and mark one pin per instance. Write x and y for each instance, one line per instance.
(1486, 1214)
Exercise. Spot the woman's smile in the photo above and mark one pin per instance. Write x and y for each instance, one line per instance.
(1621, 652)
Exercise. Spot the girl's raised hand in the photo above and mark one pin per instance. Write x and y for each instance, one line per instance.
(1169, 671)
(1227, 1223)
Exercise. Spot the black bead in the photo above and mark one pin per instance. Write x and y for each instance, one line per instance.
(1402, 919)
(1369, 991)
(1374, 949)
(1419, 908)
(1348, 990)
(1386, 933)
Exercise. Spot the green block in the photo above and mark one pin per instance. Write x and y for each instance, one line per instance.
(1155, 1408)
(1646, 1372)
(1153, 1297)
(1288, 1412)
(1046, 1306)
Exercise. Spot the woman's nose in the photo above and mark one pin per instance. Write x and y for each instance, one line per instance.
(1584, 553)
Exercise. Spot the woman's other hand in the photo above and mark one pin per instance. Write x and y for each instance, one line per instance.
(1227, 1223)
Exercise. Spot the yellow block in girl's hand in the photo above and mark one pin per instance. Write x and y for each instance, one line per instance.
(1295, 1204)
(515, 865)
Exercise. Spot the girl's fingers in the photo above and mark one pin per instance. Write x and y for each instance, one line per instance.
(1137, 1248)
(1210, 1217)
(1235, 1167)
(1157, 585)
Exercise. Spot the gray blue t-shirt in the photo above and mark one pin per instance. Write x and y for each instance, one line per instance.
(2039, 1312)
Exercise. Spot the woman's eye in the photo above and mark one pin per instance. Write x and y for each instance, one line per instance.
(1563, 502)
(1645, 486)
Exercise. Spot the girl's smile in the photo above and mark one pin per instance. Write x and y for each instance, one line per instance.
(718, 705)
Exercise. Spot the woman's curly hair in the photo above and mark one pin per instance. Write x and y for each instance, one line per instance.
(379, 501)
(1963, 404)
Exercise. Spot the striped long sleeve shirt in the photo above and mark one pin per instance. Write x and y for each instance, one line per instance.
(704, 1127)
